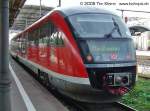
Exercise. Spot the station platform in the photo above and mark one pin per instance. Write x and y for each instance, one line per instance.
(27, 94)
(143, 53)
(143, 61)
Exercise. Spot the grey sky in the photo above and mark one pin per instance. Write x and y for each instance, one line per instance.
(65, 3)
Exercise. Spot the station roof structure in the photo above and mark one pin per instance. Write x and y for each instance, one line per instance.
(14, 8)
(29, 14)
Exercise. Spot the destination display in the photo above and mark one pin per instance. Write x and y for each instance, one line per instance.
(103, 51)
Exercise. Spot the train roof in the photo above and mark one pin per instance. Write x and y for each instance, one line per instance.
(67, 11)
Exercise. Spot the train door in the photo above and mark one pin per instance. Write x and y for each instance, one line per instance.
(19, 46)
(26, 43)
(60, 51)
(33, 45)
(23, 41)
(53, 48)
(44, 44)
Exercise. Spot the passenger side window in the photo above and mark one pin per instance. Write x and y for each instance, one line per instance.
(44, 34)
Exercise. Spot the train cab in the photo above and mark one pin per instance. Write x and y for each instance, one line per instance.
(106, 48)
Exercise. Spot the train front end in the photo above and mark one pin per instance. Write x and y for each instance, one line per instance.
(107, 50)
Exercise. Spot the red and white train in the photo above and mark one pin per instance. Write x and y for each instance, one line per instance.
(87, 53)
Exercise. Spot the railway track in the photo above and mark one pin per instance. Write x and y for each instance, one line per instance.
(74, 105)
(102, 107)
(80, 106)
(124, 107)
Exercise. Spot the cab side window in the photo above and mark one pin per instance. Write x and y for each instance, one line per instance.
(56, 38)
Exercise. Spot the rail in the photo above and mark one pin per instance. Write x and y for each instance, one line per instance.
(124, 106)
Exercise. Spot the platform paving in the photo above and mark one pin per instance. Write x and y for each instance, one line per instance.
(17, 102)
(41, 99)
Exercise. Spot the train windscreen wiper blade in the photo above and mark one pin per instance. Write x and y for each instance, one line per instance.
(110, 33)
(116, 27)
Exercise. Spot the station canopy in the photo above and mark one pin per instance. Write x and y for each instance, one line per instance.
(28, 14)
(14, 8)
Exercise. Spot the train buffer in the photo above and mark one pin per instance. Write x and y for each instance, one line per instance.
(27, 94)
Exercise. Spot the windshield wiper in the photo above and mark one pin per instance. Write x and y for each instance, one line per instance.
(116, 27)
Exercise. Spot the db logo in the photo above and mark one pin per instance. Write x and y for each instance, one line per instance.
(113, 56)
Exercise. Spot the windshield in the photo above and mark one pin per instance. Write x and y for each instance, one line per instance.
(98, 25)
